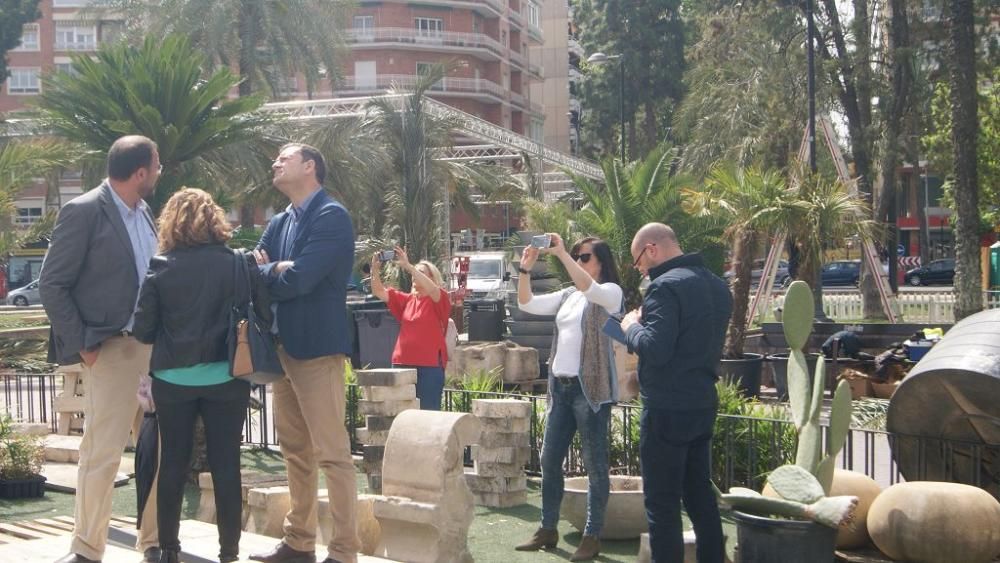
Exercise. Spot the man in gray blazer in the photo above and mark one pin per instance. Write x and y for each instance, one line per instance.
(89, 284)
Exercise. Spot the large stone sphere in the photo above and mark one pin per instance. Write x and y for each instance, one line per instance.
(936, 522)
(851, 483)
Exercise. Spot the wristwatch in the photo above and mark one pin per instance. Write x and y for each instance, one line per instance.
(523, 271)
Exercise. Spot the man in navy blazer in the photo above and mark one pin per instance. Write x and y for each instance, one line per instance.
(307, 253)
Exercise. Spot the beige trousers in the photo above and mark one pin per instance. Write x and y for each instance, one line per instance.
(309, 404)
(110, 411)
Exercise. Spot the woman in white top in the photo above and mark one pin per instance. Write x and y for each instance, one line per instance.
(582, 383)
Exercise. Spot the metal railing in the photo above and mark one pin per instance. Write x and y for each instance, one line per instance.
(744, 448)
(383, 82)
(426, 37)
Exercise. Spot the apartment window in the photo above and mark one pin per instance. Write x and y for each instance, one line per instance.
(364, 26)
(534, 15)
(69, 3)
(28, 216)
(75, 37)
(65, 67)
(29, 38)
(424, 69)
(112, 31)
(428, 27)
(23, 81)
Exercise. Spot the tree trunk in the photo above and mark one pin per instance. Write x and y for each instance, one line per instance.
(964, 132)
(743, 250)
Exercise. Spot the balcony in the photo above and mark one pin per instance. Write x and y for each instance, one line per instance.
(431, 39)
(475, 86)
(535, 34)
(489, 8)
(516, 18)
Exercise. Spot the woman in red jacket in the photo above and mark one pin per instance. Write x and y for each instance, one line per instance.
(423, 323)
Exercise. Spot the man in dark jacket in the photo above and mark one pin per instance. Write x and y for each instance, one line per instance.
(306, 254)
(678, 336)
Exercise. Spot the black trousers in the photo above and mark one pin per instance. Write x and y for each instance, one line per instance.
(223, 409)
(675, 454)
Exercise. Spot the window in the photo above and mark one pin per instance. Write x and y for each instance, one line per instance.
(75, 37)
(65, 67)
(23, 81)
(534, 15)
(29, 38)
(69, 3)
(428, 27)
(28, 216)
(364, 26)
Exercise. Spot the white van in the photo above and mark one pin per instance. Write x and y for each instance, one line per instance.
(488, 274)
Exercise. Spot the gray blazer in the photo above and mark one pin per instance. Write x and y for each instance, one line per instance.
(88, 282)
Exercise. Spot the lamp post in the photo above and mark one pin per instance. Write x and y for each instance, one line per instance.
(600, 58)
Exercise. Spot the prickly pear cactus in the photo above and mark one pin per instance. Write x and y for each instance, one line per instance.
(803, 487)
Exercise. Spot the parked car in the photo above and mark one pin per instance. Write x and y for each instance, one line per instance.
(24, 296)
(758, 271)
(840, 273)
(936, 272)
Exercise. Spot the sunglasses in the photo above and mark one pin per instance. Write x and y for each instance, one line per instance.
(583, 258)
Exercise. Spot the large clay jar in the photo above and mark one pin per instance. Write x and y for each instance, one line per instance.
(936, 522)
(845, 482)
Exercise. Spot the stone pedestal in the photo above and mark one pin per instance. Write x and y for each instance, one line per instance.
(268, 507)
(515, 363)
(501, 452)
(368, 528)
(427, 508)
(384, 394)
(249, 479)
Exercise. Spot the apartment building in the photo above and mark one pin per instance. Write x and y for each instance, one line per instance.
(489, 43)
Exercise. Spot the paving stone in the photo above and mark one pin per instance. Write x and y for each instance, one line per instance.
(498, 469)
(508, 455)
(480, 484)
(386, 408)
(394, 393)
(509, 425)
(503, 439)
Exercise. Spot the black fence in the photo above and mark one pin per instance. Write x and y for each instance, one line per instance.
(745, 449)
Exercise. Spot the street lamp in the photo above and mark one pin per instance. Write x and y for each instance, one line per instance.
(600, 58)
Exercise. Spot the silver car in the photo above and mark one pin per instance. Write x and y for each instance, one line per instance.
(24, 296)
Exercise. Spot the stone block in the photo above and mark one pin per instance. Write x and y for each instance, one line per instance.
(395, 393)
(387, 377)
(268, 507)
(471, 358)
(510, 455)
(501, 500)
(386, 408)
(378, 423)
(32, 428)
(376, 438)
(498, 469)
(480, 484)
(521, 364)
(503, 439)
(501, 408)
(509, 425)
(368, 528)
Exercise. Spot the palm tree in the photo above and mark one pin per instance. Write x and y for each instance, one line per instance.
(158, 90)
(407, 189)
(631, 196)
(816, 212)
(21, 164)
(749, 201)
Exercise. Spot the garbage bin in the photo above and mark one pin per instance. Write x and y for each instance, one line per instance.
(371, 303)
(485, 319)
(377, 333)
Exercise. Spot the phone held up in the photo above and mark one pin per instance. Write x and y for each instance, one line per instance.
(386, 255)
(541, 241)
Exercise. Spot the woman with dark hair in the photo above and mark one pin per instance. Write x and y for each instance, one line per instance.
(582, 382)
(183, 311)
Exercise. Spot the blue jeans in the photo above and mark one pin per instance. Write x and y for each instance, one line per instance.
(430, 385)
(569, 412)
(675, 454)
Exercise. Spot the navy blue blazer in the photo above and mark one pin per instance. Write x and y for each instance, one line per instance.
(312, 294)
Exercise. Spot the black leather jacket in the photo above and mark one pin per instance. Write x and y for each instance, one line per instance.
(184, 305)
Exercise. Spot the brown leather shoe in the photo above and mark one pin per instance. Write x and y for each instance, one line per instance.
(284, 553)
(590, 546)
(543, 539)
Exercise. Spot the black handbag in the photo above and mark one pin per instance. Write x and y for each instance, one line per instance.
(253, 348)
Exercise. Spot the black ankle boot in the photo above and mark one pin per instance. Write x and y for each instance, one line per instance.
(169, 556)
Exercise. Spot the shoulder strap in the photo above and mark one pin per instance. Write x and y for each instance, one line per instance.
(241, 279)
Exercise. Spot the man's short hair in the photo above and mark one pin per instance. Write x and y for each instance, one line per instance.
(128, 154)
(310, 152)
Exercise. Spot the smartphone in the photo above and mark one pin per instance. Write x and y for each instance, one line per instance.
(541, 241)
(386, 255)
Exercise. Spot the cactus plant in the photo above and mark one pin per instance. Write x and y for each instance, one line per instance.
(802, 488)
